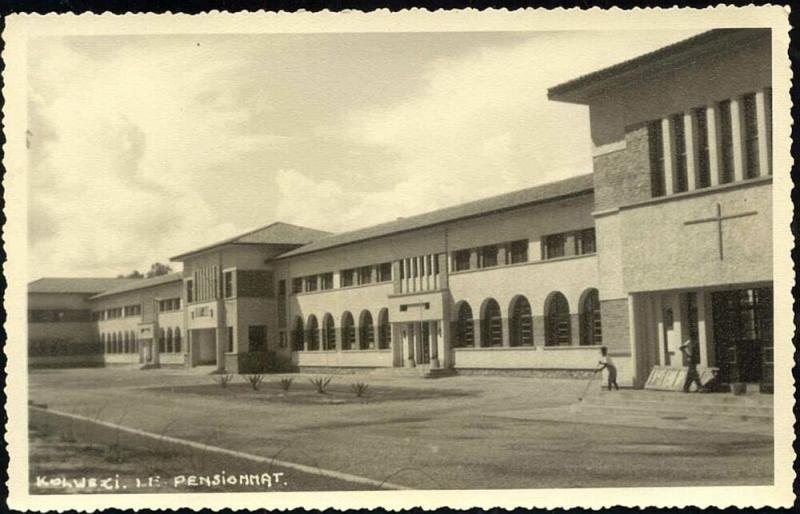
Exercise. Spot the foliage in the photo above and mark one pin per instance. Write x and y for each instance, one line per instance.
(321, 383)
(286, 383)
(255, 381)
(132, 274)
(157, 269)
(224, 380)
(359, 388)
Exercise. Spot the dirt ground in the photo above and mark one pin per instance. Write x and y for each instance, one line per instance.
(445, 433)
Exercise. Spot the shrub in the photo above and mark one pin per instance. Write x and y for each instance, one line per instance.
(359, 388)
(255, 381)
(321, 383)
(286, 383)
(224, 380)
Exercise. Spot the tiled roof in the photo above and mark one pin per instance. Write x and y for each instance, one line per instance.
(142, 283)
(277, 233)
(581, 184)
(579, 90)
(77, 285)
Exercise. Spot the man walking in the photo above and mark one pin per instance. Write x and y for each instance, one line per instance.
(691, 353)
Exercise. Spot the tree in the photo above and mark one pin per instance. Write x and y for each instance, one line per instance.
(157, 269)
(133, 274)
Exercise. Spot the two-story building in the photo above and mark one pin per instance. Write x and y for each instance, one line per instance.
(668, 239)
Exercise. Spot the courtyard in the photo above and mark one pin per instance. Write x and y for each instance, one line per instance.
(423, 434)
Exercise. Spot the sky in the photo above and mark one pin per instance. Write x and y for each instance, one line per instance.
(142, 147)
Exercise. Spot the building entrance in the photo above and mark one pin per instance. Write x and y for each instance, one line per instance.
(743, 336)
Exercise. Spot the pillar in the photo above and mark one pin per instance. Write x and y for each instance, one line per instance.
(690, 132)
(712, 126)
(575, 329)
(763, 134)
(658, 306)
(410, 341)
(436, 339)
(396, 285)
(443, 271)
(501, 255)
(444, 345)
(222, 335)
(738, 139)
(476, 332)
(637, 352)
(506, 324)
(473, 258)
(702, 334)
(669, 171)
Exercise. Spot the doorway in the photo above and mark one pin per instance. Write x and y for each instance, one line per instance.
(743, 336)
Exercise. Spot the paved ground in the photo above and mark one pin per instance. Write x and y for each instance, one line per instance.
(453, 441)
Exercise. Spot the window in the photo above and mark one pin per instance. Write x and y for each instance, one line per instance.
(679, 152)
(726, 142)
(554, 246)
(312, 333)
(311, 283)
(348, 277)
(557, 322)
(189, 291)
(521, 323)
(328, 333)
(169, 340)
(281, 288)
(384, 330)
(365, 275)
(177, 340)
(230, 340)
(170, 304)
(367, 332)
(114, 313)
(702, 149)
(750, 127)
(298, 335)
(162, 340)
(465, 328)
(488, 256)
(518, 251)
(257, 338)
(297, 285)
(461, 260)
(385, 272)
(585, 241)
(348, 332)
(326, 281)
(656, 147)
(227, 284)
(491, 325)
(591, 326)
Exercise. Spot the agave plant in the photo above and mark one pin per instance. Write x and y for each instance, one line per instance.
(286, 383)
(359, 388)
(255, 381)
(321, 383)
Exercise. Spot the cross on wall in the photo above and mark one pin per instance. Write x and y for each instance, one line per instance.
(719, 218)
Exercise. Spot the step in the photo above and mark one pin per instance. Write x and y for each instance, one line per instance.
(729, 407)
(678, 414)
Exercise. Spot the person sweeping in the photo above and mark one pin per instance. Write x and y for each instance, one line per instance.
(606, 363)
(691, 354)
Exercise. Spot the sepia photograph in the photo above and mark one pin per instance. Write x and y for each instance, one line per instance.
(416, 261)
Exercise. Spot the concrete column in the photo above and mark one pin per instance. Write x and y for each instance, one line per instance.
(658, 306)
(575, 329)
(690, 134)
(712, 125)
(435, 342)
(538, 331)
(410, 360)
(501, 255)
(505, 323)
(406, 274)
(338, 338)
(444, 282)
(473, 258)
(396, 285)
(708, 322)
(424, 276)
(637, 353)
(569, 245)
(222, 335)
(357, 343)
(763, 134)
(703, 336)
(737, 131)
(669, 170)
(444, 343)
(477, 335)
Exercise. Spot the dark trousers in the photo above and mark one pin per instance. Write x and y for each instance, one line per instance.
(612, 377)
(692, 376)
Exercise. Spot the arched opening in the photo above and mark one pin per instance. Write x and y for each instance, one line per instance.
(521, 322)
(557, 324)
(348, 331)
(491, 324)
(384, 330)
(591, 325)
(298, 335)
(328, 333)
(134, 343)
(169, 340)
(162, 339)
(113, 342)
(465, 327)
(367, 329)
(177, 340)
(312, 333)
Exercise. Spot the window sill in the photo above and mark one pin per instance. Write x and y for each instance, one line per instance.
(572, 347)
(495, 348)
(521, 264)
